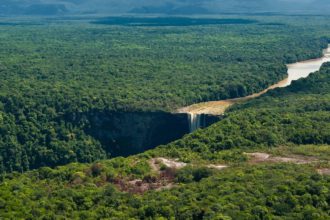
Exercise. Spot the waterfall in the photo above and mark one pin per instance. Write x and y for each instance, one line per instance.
(195, 121)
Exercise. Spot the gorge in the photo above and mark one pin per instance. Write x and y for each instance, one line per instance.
(124, 134)
(127, 133)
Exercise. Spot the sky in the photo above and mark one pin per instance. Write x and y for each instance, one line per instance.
(58, 7)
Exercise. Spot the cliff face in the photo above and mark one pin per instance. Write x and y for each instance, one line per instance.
(127, 133)
(123, 134)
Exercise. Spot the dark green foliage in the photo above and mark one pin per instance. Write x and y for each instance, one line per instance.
(83, 68)
(297, 114)
(189, 174)
(259, 192)
(72, 68)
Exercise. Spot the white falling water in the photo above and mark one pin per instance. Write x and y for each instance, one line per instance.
(194, 121)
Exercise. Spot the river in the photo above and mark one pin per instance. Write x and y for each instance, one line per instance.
(295, 71)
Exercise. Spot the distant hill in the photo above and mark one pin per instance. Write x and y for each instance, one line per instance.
(170, 7)
(12, 8)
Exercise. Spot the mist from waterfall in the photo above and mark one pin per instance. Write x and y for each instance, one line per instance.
(195, 121)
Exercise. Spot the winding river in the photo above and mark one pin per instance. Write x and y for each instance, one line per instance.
(295, 71)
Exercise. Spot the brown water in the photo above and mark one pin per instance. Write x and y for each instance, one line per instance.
(295, 71)
(305, 68)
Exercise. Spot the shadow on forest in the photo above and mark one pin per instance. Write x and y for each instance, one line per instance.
(169, 21)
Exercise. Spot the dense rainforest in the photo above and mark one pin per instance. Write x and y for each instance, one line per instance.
(289, 125)
(57, 74)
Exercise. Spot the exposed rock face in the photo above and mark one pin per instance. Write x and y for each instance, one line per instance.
(127, 133)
